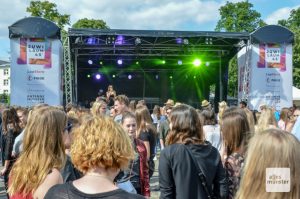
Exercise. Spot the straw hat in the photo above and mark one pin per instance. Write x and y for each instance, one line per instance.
(170, 102)
(205, 103)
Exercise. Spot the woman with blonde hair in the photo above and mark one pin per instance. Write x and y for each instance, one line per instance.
(272, 148)
(222, 107)
(285, 116)
(38, 167)
(189, 162)
(99, 108)
(101, 148)
(266, 120)
(146, 132)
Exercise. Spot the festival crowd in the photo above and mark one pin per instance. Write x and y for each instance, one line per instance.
(110, 150)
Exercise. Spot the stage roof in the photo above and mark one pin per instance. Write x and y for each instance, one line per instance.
(147, 44)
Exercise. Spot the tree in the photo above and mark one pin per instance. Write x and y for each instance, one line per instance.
(293, 23)
(90, 23)
(237, 17)
(48, 11)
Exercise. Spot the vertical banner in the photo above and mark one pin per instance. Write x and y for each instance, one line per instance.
(36, 71)
(271, 77)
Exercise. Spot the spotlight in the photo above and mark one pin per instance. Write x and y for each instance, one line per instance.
(98, 76)
(129, 76)
(185, 41)
(88, 76)
(91, 41)
(120, 61)
(120, 40)
(197, 62)
(90, 62)
(137, 41)
(179, 40)
(156, 76)
(207, 63)
(113, 76)
(171, 77)
(137, 63)
(101, 63)
(194, 77)
(179, 62)
(163, 61)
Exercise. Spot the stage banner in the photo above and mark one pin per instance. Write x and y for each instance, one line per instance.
(36, 66)
(271, 75)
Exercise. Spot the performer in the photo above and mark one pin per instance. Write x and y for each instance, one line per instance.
(111, 93)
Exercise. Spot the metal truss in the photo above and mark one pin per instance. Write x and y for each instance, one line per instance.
(67, 72)
(247, 73)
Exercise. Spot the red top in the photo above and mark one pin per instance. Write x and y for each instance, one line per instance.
(144, 169)
(21, 196)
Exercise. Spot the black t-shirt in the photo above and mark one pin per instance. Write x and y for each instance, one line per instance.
(68, 191)
(149, 136)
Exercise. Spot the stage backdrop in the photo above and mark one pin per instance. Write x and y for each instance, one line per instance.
(270, 79)
(36, 71)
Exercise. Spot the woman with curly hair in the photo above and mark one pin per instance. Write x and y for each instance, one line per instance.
(101, 148)
(38, 167)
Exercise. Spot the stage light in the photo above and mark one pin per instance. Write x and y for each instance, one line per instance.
(207, 63)
(98, 76)
(120, 40)
(171, 77)
(137, 63)
(194, 77)
(179, 40)
(120, 61)
(163, 61)
(156, 76)
(113, 76)
(197, 62)
(185, 41)
(91, 41)
(101, 63)
(138, 41)
(90, 62)
(179, 62)
(88, 76)
(129, 76)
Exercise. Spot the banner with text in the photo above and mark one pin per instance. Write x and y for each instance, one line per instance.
(271, 75)
(36, 66)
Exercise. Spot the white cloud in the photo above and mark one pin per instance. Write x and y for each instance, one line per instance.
(282, 13)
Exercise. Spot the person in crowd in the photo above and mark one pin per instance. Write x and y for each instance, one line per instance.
(235, 133)
(38, 167)
(266, 120)
(205, 105)
(110, 93)
(121, 105)
(211, 129)
(222, 107)
(156, 115)
(178, 172)
(243, 104)
(112, 112)
(250, 119)
(22, 114)
(163, 128)
(146, 132)
(99, 108)
(138, 169)
(132, 105)
(101, 148)
(296, 127)
(285, 116)
(269, 149)
(10, 130)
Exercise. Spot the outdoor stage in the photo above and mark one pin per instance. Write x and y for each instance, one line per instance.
(155, 65)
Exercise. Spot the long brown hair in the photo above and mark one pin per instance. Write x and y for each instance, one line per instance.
(143, 120)
(10, 116)
(186, 126)
(273, 148)
(235, 129)
(43, 150)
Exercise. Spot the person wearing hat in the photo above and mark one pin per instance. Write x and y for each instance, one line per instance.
(205, 105)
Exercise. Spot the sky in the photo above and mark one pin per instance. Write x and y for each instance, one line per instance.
(185, 15)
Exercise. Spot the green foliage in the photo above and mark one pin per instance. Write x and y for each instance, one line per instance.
(238, 17)
(90, 23)
(48, 11)
(4, 98)
(293, 23)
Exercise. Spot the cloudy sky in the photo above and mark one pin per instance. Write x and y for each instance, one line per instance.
(200, 15)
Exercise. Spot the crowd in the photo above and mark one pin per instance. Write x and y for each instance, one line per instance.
(109, 150)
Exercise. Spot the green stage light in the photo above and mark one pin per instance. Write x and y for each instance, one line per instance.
(101, 63)
(171, 77)
(88, 76)
(114, 76)
(194, 77)
(163, 61)
(197, 62)
(137, 63)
